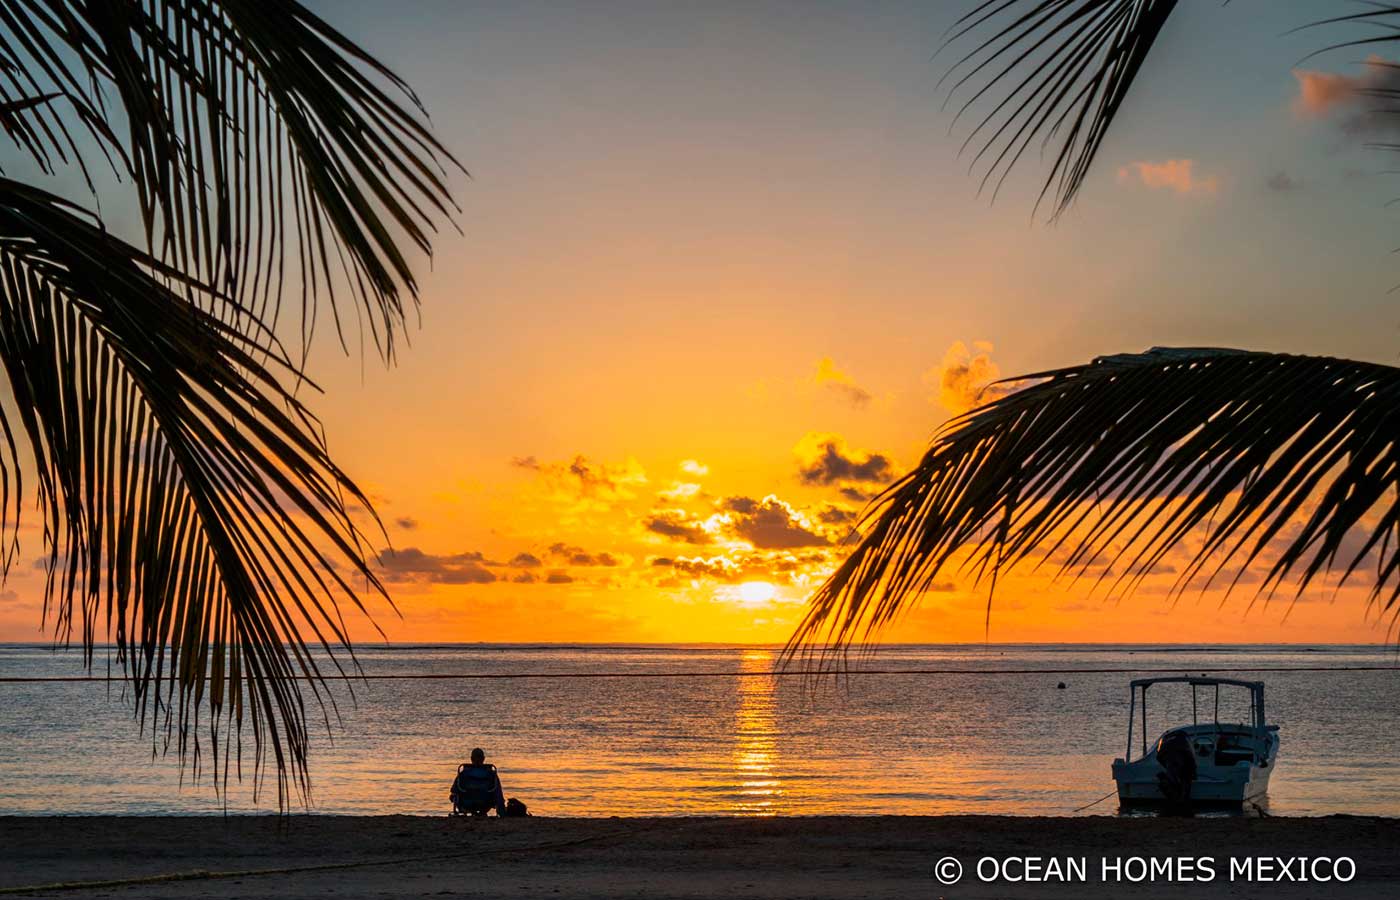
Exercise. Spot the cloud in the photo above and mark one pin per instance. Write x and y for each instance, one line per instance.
(680, 490)
(720, 568)
(839, 382)
(694, 468)
(558, 577)
(1359, 99)
(770, 524)
(1319, 93)
(413, 565)
(677, 524)
(577, 556)
(1177, 175)
(407, 523)
(824, 459)
(782, 567)
(524, 560)
(964, 379)
(1281, 181)
(523, 578)
(836, 515)
(583, 479)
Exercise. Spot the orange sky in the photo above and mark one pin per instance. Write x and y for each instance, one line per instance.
(722, 274)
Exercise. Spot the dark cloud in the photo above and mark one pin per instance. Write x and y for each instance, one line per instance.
(558, 577)
(1282, 182)
(523, 578)
(836, 515)
(413, 565)
(577, 556)
(719, 568)
(407, 523)
(770, 524)
(524, 560)
(584, 478)
(826, 460)
(677, 525)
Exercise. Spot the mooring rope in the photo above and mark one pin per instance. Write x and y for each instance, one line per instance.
(1112, 793)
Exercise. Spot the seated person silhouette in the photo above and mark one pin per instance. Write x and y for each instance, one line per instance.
(477, 788)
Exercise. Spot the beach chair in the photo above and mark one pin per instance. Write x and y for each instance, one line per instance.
(475, 790)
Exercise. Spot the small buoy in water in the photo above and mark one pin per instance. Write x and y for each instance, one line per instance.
(1060, 686)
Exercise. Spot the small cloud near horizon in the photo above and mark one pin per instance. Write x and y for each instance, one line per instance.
(965, 378)
(770, 524)
(585, 481)
(1282, 182)
(839, 382)
(677, 525)
(825, 459)
(577, 556)
(413, 565)
(1179, 176)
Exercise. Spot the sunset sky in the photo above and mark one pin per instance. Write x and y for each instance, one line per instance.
(722, 273)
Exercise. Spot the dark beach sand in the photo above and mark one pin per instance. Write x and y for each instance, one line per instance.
(399, 856)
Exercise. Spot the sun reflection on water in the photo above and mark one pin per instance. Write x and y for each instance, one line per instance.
(755, 757)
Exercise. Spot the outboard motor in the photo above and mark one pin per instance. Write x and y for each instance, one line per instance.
(1178, 768)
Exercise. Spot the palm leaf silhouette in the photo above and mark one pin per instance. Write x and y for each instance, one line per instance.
(1063, 68)
(264, 146)
(1105, 468)
(191, 510)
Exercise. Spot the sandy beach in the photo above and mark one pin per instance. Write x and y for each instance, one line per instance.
(399, 856)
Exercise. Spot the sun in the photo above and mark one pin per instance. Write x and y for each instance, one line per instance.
(756, 591)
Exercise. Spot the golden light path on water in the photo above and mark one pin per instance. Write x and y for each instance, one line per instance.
(756, 738)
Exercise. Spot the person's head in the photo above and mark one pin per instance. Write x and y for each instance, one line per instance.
(478, 756)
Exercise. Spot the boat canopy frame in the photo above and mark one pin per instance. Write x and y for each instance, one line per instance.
(1140, 685)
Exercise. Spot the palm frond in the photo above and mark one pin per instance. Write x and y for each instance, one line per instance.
(1061, 69)
(190, 507)
(266, 148)
(1107, 467)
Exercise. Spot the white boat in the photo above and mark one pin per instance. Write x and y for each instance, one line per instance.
(1206, 762)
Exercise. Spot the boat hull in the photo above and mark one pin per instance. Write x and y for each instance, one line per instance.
(1245, 782)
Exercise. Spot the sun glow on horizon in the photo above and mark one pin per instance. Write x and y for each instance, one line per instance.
(757, 592)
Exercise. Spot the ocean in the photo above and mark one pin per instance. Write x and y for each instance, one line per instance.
(709, 731)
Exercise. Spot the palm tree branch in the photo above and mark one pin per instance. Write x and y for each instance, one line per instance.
(1076, 59)
(248, 124)
(1222, 457)
(187, 496)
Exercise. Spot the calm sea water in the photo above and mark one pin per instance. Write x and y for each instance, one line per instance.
(742, 743)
